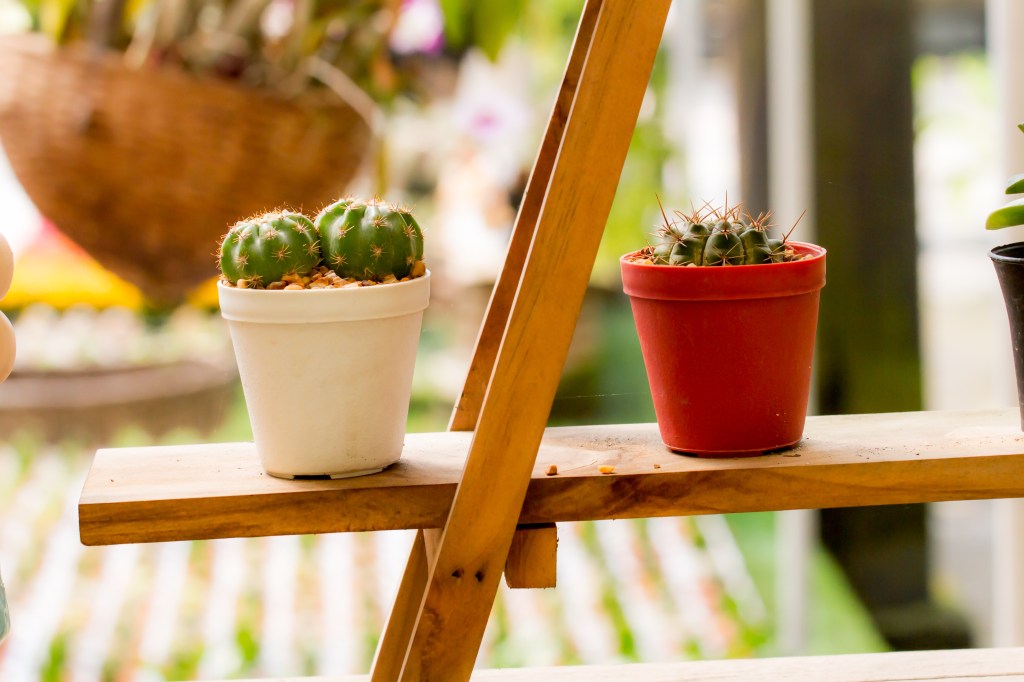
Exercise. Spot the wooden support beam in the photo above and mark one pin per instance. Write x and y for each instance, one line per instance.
(391, 654)
(467, 407)
(474, 545)
(533, 556)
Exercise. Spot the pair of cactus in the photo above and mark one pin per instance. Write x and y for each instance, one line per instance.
(363, 240)
(718, 236)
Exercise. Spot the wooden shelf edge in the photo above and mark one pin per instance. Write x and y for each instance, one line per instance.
(217, 491)
(1006, 665)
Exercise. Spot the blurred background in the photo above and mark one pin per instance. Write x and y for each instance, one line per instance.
(135, 131)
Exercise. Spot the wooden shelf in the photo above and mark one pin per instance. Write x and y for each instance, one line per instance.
(194, 492)
(964, 665)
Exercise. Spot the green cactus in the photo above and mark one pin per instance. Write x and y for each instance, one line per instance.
(723, 245)
(713, 236)
(266, 249)
(756, 247)
(369, 240)
(684, 244)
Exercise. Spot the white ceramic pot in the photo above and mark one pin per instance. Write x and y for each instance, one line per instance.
(327, 373)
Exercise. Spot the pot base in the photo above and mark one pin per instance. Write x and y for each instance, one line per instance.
(346, 474)
(719, 454)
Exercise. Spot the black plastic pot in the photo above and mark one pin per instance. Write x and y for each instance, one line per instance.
(1009, 263)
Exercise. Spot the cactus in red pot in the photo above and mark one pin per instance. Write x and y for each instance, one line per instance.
(719, 236)
(716, 282)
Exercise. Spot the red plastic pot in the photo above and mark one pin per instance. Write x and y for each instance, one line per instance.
(728, 350)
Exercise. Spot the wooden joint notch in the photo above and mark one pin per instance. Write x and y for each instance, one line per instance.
(531, 559)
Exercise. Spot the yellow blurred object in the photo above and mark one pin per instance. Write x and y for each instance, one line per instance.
(205, 295)
(55, 271)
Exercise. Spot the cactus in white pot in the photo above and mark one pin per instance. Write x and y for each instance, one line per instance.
(325, 321)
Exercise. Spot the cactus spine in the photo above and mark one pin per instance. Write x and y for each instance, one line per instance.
(369, 240)
(713, 236)
(268, 248)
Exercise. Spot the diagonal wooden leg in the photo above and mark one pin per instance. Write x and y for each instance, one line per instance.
(476, 538)
(394, 643)
(523, 565)
(467, 407)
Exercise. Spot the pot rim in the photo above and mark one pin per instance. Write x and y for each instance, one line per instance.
(716, 282)
(324, 305)
(996, 253)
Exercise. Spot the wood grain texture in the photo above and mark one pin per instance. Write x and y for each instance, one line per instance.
(405, 612)
(194, 492)
(964, 665)
(467, 407)
(533, 557)
(474, 545)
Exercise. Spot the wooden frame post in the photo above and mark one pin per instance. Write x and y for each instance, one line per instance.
(573, 208)
(391, 651)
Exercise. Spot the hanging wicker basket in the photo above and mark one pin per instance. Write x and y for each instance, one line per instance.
(146, 168)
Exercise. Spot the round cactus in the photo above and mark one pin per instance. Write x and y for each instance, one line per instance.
(369, 240)
(683, 244)
(756, 249)
(723, 246)
(266, 249)
(730, 240)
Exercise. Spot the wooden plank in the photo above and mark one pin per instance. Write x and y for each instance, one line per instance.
(220, 491)
(390, 654)
(963, 665)
(192, 492)
(533, 557)
(474, 545)
(467, 407)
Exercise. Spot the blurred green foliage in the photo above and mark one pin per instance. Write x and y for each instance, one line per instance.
(483, 23)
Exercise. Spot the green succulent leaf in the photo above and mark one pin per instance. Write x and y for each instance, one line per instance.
(1015, 184)
(484, 23)
(1007, 216)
